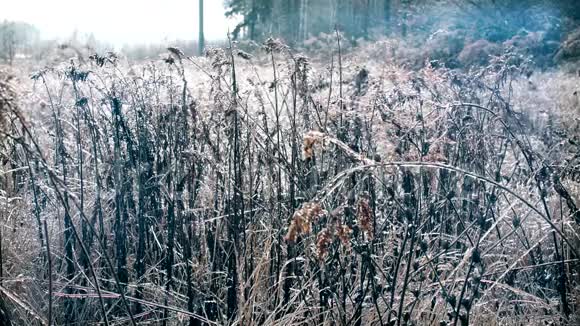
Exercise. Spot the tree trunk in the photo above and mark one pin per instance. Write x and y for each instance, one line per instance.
(201, 38)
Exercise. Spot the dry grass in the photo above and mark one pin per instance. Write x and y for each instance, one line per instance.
(278, 190)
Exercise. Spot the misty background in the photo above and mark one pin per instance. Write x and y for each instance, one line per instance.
(449, 32)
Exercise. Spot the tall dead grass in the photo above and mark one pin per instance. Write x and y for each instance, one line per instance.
(277, 190)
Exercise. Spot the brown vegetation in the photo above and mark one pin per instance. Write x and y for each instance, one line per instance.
(272, 190)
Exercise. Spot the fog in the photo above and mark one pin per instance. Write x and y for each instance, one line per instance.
(119, 22)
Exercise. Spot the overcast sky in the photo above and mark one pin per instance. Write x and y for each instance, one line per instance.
(120, 21)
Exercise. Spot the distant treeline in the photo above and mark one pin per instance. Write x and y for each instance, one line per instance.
(438, 29)
(17, 37)
(496, 21)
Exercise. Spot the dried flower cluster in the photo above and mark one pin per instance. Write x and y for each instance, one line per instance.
(218, 58)
(364, 216)
(301, 225)
(325, 238)
(274, 45)
(323, 241)
(310, 139)
(302, 220)
(343, 233)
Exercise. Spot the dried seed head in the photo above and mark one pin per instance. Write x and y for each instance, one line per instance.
(343, 233)
(309, 147)
(365, 220)
(302, 63)
(302, 220)
(274, 45)
(176, 52)
(244, 55)
(323, 241)
(310, 139)
(218, 57)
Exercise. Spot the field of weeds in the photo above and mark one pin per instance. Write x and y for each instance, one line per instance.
(276, 189)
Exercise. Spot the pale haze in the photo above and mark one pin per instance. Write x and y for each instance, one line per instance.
(120, 21)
